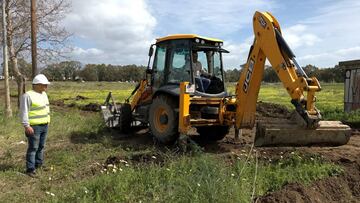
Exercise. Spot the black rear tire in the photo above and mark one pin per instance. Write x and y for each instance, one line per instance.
(213, 133)
(125, 118)
(163, 119)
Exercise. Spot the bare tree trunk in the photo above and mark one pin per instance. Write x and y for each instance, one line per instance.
(33, 38)
(20, 78)
(8, 112)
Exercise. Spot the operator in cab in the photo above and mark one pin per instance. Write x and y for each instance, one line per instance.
(201, 79)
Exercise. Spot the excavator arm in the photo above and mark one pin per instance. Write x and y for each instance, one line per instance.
(269, 44)
(305, 127)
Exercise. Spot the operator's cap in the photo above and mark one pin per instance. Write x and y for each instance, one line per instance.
(40, 79)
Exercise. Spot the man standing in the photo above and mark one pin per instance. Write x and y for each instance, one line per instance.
(35, 117)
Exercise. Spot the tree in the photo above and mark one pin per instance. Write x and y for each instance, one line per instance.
(270, 75)
(70, 69)
(8, 111)
(89, 73)
(51, 38)
(232, 75)
(66, 70)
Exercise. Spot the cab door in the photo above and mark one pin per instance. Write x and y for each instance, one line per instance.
(179, 62)
(159, 66)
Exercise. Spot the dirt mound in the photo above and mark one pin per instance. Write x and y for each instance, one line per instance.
(91, 107)
(60, 103)
(94, 107)
(79, 97)
(343, 188)
(271, 110)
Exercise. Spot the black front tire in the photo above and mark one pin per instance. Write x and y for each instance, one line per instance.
(163, 119)
(125, 118)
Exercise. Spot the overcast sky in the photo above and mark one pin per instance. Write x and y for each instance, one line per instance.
(321, 32)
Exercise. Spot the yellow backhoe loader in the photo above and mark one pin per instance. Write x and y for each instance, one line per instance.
(185, 88)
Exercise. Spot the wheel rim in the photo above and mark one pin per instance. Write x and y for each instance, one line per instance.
(161, 121)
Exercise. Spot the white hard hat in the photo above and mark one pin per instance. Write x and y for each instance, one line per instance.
(40, 79)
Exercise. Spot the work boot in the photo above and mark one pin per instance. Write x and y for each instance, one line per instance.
(42, 167)
(31, 174)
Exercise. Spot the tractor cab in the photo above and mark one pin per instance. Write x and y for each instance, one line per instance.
(188, 58)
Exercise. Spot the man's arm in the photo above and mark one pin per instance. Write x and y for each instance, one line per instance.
(202, 70)
(25, 104)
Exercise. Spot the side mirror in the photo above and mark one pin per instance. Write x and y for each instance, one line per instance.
(151, 51)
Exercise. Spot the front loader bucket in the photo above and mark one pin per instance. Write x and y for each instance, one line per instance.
(289, 133)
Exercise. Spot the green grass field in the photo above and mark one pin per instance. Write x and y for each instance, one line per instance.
(78, 145)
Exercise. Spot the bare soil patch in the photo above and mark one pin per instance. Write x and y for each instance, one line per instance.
(91, 107)
(342, 188)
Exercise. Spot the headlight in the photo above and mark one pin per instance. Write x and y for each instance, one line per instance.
(197, 40)
(202, 41)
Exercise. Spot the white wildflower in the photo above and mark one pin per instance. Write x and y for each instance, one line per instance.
(123, 161)
(50, 193)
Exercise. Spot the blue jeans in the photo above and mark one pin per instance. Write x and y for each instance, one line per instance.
(35, 151)
(203, 83)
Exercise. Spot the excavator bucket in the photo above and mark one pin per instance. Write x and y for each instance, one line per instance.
(290, 133)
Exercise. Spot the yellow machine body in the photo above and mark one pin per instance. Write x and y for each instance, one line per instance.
(169, 115)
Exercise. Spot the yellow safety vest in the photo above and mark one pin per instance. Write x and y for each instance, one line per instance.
(39, 112)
